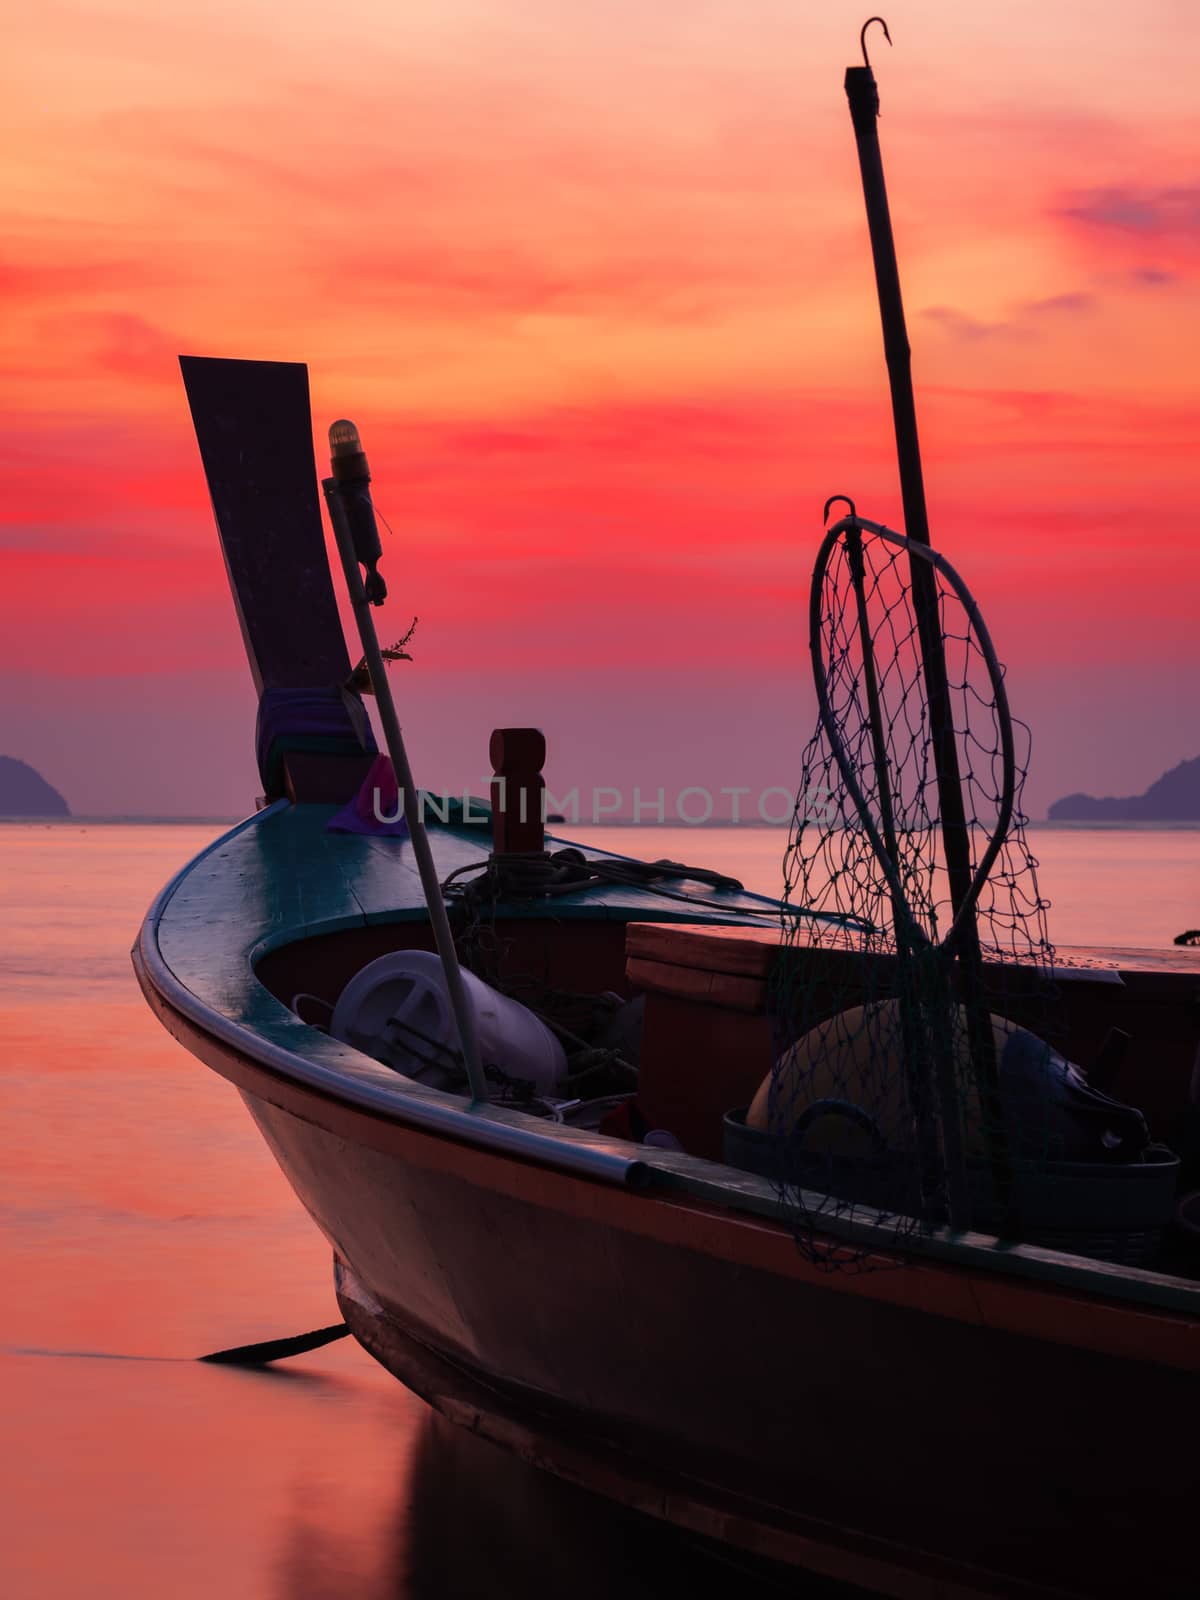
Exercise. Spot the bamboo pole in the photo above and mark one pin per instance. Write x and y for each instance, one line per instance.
(863, 95)
(443, 938)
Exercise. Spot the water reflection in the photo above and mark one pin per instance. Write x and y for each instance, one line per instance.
(142, 1222)
(472, 1520)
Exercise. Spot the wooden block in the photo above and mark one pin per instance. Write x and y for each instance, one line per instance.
(727, 990)
(750, 951)
(518, 793)
(314, 778)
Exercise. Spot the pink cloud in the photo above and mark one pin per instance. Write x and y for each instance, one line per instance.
(1168, 210)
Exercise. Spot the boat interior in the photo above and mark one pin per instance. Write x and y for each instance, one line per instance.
(664, 1004)
(657, 986)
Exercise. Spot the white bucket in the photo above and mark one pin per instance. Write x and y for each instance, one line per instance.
(398, 1010)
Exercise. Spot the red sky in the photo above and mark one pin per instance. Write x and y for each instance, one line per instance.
(593, 280)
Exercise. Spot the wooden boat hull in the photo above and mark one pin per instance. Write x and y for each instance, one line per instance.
(686, 1360)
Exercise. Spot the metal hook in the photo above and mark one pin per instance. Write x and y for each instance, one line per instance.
(862, 38)
(833, 498)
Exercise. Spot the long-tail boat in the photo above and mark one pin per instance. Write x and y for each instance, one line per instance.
(586, 1279)
(993, 1418)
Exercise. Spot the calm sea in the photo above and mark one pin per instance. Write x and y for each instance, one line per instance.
(143, 1223)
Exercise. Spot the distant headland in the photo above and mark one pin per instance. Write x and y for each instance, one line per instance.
(1175, 797)
(25, 793)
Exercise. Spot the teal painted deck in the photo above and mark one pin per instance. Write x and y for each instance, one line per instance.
(281, 876)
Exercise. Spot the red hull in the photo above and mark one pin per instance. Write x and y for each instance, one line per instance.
(927, 1430)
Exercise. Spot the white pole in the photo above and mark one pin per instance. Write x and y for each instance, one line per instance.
(443, 939)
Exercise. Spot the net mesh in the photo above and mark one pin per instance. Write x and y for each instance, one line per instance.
(887, 1099)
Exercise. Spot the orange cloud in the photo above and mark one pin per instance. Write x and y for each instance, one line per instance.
(595, 282)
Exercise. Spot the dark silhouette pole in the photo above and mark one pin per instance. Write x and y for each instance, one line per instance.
(863, 94)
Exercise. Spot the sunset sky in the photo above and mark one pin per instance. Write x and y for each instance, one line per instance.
(593, 279)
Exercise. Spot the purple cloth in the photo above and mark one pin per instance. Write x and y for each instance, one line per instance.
(326, 720)
(378, 796)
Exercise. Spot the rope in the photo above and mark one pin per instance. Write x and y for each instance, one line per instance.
(519, 876)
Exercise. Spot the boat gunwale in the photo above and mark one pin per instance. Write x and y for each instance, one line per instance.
(667, 1175)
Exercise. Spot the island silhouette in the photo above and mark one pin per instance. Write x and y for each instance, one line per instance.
(25, 793)
(1175, 797)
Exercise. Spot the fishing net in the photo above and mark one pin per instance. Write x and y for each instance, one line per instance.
(887, 1103)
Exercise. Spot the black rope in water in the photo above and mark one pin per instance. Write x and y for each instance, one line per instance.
(261, 1355)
